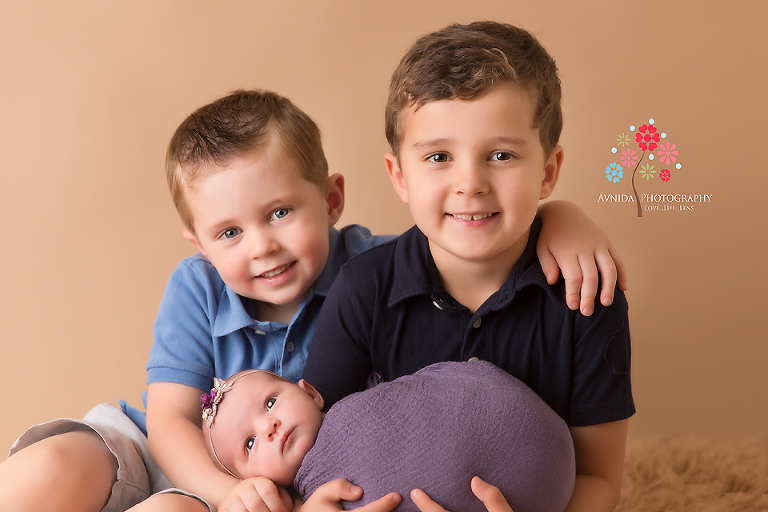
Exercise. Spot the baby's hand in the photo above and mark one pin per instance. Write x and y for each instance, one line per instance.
(491, 497)
(328, 496)
(257, 494)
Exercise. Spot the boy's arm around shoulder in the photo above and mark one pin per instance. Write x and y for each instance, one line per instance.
(571, 243)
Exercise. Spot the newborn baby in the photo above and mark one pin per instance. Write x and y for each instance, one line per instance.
(433, 430)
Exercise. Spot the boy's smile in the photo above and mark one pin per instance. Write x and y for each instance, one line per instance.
(264, 227)
(472, 173)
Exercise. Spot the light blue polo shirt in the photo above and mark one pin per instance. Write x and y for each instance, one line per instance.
(204, 330)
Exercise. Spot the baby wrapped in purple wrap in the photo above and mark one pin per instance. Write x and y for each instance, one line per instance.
(436, 429)
(433, 430)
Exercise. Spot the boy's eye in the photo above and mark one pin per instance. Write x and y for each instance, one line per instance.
(270, 403)
(280, 213)
(502, 156)
(249, 444)
(230, 233)
(438, 158)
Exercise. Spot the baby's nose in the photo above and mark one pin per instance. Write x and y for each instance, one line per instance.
(270, 428)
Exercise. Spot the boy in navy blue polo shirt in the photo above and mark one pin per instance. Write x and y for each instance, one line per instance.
(473, 120)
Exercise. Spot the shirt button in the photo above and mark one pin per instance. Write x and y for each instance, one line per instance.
(477, 323)
(257, 331)
(289, 346)
(436, 304)
(473, 359)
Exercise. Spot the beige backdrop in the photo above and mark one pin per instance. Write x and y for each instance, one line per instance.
(90, 92)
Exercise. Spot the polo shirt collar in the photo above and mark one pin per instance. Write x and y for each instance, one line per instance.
(526, 272)
(233, 314)
(415, 272)
(414, 268)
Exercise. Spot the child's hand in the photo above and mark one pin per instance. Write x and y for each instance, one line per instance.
(569, 239)
(257, 494)
(328, 496)
(490, 495)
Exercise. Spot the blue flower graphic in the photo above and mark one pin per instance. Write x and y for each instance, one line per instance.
(614, 172)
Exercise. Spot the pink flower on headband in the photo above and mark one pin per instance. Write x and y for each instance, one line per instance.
(207, 400)
(210, 401)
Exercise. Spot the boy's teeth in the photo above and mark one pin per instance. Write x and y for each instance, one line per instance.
(273, 273)
(473, 217)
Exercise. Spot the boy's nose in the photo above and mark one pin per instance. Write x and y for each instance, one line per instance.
(471, 179)
(263, 245)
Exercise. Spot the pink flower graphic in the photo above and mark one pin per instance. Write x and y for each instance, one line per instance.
(665, 175)
(647, 138)
(628, 157)
(667, 153)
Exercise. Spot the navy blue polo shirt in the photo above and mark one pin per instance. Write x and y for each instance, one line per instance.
(387, 312)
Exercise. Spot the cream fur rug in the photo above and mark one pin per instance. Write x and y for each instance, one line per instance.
(681, 475)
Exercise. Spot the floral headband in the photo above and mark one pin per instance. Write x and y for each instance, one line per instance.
(210, 401)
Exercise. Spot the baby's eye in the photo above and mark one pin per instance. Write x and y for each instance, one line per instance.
(270, 403)
(230, 233)
(502, 156)
(249, 444)
(280, 213)
(438, 158)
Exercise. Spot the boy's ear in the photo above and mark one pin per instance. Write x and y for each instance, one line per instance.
(313, 393)
(334, 198)
(551, 171)
(396, 176)
(189, 235)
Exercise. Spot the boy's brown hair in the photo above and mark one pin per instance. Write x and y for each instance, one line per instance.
(464, 61)
(233, 126)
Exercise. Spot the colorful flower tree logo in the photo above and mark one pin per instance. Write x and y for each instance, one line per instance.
(647, 141)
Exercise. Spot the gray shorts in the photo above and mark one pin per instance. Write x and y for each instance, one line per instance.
(138, 475)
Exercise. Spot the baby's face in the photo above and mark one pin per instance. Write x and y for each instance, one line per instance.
(265, 426)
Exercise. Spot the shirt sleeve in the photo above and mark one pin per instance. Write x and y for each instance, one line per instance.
(339, 361)
(601, 386)
(182, 349)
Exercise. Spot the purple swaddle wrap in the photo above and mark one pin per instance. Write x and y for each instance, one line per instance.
(436, 429)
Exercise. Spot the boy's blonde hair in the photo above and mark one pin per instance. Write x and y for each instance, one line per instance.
(233, 126)
(464, 61)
